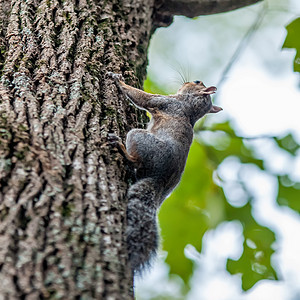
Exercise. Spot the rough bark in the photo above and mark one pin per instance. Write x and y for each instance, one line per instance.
(62, 186)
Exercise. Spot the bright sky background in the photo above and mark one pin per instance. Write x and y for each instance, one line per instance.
(261, 94)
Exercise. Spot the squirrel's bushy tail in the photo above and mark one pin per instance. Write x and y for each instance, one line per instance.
(141, 233)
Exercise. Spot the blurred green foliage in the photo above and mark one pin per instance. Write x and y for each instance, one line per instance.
(288, 193)
(293, 41)
(199, 203)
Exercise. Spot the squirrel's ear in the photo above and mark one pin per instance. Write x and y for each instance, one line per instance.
(215, 109)
(209, 90)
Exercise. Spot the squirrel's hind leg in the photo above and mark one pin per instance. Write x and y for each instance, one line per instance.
(132, 158)
(138, 140)
(147, 147)
(116, 141)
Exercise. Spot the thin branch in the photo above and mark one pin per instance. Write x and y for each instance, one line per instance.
(243, 43)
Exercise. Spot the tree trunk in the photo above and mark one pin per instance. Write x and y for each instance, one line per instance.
(62, 186)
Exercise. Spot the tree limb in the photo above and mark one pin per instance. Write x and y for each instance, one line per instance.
(166, 9)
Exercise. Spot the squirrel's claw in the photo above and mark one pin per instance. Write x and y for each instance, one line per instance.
(115, 76)
(113, 139)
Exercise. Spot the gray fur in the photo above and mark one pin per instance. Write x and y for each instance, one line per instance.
(159, 154)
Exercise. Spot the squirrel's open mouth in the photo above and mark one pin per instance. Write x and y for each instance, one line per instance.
(210, 90)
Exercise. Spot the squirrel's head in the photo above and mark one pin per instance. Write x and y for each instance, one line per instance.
(197, 88)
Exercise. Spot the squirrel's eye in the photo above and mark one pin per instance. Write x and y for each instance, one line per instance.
(196, 81)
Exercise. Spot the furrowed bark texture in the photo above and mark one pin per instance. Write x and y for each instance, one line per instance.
(62, 185)
(63, 188)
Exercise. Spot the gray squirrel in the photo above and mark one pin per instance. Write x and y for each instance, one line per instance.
(159, 155)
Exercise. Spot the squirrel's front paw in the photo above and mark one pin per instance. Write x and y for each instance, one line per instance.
(115, 76)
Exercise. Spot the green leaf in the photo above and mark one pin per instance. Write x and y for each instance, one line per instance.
(292, 40)
(288, 144)
(233, 146)
(288, 193)
(255, 261)
(251, 271)
(198, 205)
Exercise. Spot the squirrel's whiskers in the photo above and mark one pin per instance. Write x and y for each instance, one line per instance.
(183, 71)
